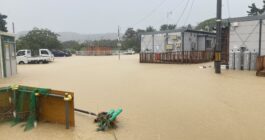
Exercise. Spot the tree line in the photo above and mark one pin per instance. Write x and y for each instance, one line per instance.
(45, 38)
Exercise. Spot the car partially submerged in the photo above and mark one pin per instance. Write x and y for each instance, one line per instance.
(59, 53)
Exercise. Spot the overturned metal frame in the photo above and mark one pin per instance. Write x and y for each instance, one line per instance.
(61, 100)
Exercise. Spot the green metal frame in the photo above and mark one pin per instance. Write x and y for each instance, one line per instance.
(23, 95)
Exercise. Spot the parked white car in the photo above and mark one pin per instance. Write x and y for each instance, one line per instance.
(129, 52)
(42, 56)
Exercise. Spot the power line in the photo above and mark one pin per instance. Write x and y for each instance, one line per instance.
(150, 13)
(182, 14)
(192, 3)
(153, 11)
(176, 8)
(173, 10)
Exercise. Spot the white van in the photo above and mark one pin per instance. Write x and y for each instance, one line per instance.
(41, 56)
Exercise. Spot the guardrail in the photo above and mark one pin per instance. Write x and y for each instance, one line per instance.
(186, 57)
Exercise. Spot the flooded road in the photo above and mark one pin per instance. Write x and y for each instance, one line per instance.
(160, 102)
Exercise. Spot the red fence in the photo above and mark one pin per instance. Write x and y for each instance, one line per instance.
(185, 57)
(260, 65)
(95, 51)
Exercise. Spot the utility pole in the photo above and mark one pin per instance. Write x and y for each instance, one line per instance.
(119, 43)
(217, 62)
(13, 27)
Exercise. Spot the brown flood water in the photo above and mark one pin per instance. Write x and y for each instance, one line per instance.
(160, 102)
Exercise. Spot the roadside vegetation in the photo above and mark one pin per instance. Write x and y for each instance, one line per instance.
(39, 38)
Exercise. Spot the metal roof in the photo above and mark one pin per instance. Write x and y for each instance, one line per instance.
(178, 30)
(7, 34)
(163, 32)
(247, 18)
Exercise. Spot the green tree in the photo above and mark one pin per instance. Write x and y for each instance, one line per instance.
(139, 33)
(129, 39)
(39, 38)
(3, 23)
(98, 43)
(71, 46)
(150, 29)
(130, 33)
(165, 27)
(132, 39)
(207, 25)
(254, 10)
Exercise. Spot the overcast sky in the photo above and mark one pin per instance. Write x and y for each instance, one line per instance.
(103, 16)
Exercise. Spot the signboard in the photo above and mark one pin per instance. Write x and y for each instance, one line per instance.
(169, 46)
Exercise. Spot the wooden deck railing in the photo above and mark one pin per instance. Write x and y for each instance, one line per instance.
(186, 57)
(260, 65)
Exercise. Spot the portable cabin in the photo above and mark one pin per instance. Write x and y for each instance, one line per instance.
(8, 64)
(248, 32)
(177, 40)
(244, 41)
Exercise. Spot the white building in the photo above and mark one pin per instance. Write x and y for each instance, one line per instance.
(177, 40)
(247, 33)
(8, 64)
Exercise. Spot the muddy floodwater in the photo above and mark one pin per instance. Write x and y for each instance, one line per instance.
(160, 101)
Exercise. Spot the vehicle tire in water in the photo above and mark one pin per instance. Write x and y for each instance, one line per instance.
(21, 62)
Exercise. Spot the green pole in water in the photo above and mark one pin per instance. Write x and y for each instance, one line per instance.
(115, 114)
(110, 112)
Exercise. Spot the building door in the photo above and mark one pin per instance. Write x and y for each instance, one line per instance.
(10, 65)
(7, 56)
(13, 58)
